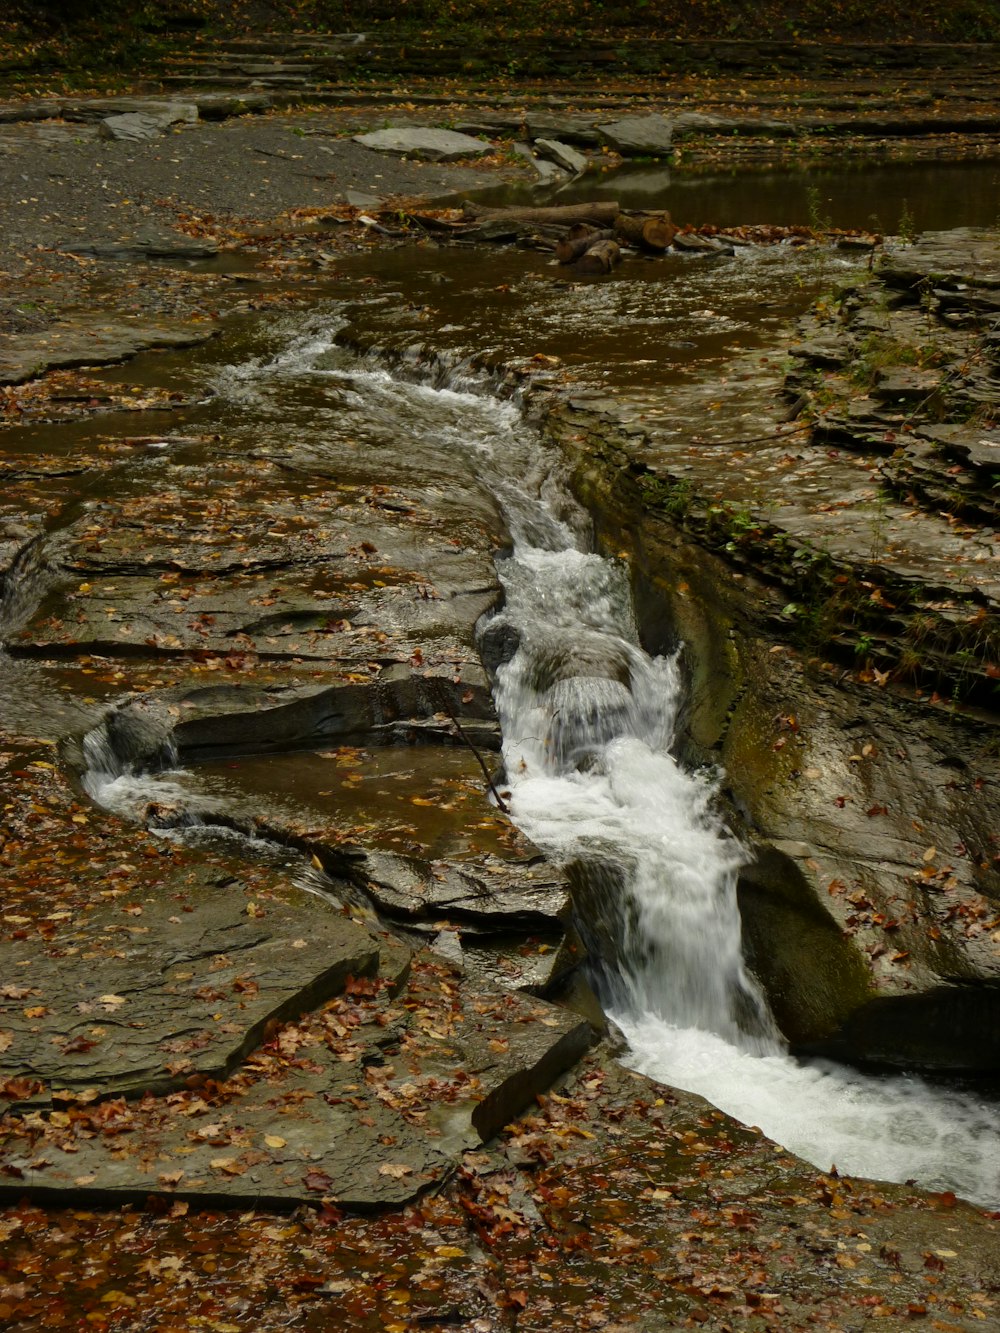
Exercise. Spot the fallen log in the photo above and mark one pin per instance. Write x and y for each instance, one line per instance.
(654, 233)
(598, 215)
(600, 258)
(571, 248)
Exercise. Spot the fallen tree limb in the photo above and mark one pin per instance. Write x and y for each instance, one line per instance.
(652, 232)
(598, 215)
(572, 248)
(601, 257)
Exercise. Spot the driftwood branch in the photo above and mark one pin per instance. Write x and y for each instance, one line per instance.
(598, 214)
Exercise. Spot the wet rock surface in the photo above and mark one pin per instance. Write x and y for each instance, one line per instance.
(614, 1199)
(367, 1104)
(91, 342)
(173, 985)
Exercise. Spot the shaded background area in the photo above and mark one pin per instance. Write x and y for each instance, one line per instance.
(892, 20)
(124, 33)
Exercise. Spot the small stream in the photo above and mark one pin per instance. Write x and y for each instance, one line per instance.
(588, 717)
(588, 723)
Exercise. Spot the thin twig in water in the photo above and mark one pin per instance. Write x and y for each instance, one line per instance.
(460, 730)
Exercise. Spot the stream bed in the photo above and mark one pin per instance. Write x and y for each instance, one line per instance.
(588, 717)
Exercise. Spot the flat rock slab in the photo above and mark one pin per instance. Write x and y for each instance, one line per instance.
(280, 1142)
(162, 245)
(571, 129)
(979, 449)
(425, 145)
(365, 1103)
(147, 993)
(91, 343)
(295, 566)
(136, 126)
(162, 111)
(208, 722)
(639, 136)
(515, 896)
(966, 254)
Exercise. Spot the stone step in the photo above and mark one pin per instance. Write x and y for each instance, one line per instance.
(651, 58)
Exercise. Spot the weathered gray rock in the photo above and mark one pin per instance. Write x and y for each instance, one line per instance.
(361, 199)
(639, 136)
(494, 125)
(426, 145)
(277, 1145)
(499, 896)
(566, 128)
(430, 601)
(221, 721)
(548, 172)
(161, 245)
(691, 124)
(534, 965)
(220, 106)
(906, 384)
(181, 983)
(91, 342)
(367, 1114)
(135, 126)
(696, 244)
(163, 111)
(978, 448)
(968, 256)
(562, 155)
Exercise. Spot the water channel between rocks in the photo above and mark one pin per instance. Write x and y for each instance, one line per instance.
(587, 752)
(588, 762)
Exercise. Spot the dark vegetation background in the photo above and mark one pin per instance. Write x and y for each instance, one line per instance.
(118, 29)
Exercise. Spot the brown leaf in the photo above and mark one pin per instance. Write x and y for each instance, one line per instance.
(395, 1169)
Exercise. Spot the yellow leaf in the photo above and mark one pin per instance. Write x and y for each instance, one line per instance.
(274, 1141)
(118, 1298)
(449, 1252)
(227, 1164)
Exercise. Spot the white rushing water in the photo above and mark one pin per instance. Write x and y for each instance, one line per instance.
(598, 780)
(588, 721)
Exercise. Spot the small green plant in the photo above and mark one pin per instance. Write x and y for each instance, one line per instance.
(907, 229)
(818, 219)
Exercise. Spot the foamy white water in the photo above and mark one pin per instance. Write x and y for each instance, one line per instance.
(692, 1015)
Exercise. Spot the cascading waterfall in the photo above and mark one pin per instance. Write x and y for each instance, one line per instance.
(596, 780)
(588, 721)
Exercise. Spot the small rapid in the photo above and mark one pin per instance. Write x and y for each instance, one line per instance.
(588, 721)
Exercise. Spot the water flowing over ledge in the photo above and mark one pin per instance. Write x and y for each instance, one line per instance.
(588, 722)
